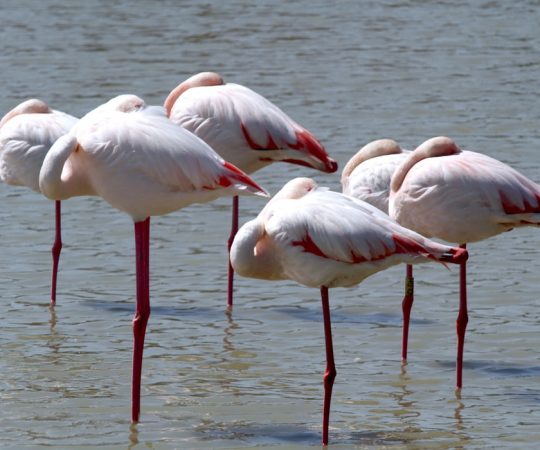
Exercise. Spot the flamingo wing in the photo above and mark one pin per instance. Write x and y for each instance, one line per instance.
(242, 113)
(465, 197)
(326, 238)
(154, 149)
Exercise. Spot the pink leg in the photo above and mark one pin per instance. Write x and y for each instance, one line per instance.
(406, 306)
(330, 373)
(461, 322)
(142, 310)
(56, 248)
(234, 230)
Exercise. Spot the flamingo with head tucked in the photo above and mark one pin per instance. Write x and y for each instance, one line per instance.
(137, 160)
(325, 239)
(461, 196)
(26, 134)
(367, 176)
(244, 128)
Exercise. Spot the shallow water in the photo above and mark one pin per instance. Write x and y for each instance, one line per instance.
(350, 72)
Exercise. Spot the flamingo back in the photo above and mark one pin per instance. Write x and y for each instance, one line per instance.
(247, 129)
(465, 197)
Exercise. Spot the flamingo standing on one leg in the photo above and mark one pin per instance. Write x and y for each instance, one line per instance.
(143, 164)
(325, 239)
(462, 196)
(367, 177)
(245, 129)
(26, 134)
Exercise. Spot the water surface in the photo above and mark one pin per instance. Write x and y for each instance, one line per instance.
(351, 72)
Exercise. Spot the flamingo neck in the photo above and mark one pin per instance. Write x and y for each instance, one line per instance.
(380, 147)
(252, 255)
(198, 80)
(59, 179)
(32, 106)
(432, 148)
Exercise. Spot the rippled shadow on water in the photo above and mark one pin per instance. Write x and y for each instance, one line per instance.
(499, 369)
(157, 310)
(255, 433)
(303, 314)
(291, 434)
(285, 434)
(339, 316)
(298, 435)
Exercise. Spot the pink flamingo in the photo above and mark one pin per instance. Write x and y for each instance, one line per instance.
(367, 176)
(26, 134)
(141, 163)
(461, 196)
(325, 239)
(244, 128)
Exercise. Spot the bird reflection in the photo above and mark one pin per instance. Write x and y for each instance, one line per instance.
(464, 439)
(133, 435)
(52, 321)
(53, 340)
(229, 332)
(402, 396)
(457, 412)
(226, 381)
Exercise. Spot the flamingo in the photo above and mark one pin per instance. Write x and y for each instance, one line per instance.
(460, 196)
(244, 128)
(367, 176)
(26, 134)
(325, 239)
(138, 161)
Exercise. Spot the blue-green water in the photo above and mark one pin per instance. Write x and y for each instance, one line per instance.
(351, 72)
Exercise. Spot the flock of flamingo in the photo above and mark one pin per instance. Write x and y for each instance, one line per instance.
(201, 144)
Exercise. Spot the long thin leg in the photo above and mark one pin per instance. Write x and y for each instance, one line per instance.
(330, 372)
(406, 306)
(142, 310)
(234, 230)
(56, 248)
(461, 322)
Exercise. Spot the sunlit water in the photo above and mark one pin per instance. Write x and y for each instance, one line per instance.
(350, 72)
